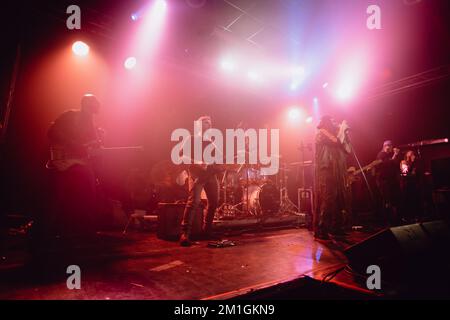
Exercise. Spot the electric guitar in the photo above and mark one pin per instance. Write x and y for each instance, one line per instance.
(62, 158)
(352, 173)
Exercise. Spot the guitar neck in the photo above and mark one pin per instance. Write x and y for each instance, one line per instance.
(369, 166)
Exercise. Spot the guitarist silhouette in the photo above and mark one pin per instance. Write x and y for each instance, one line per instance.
(72, 137)
(201, 177)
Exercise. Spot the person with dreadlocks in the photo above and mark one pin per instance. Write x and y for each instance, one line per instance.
(332, 149)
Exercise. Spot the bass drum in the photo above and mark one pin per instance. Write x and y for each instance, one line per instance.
(265, 200)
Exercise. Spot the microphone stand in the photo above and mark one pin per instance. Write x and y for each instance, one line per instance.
(302, 162)
(360, 167)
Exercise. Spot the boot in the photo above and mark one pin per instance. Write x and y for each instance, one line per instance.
(184, 240)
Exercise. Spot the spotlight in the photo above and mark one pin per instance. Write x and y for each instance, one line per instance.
(294, 85)
(134, 17)
(345, 92)
(297, 74)
(350, 79)
(160, 6)
(150, 28)
(309, 120)
(254, 76)
(325, 85)
(130, 63)
(80, 48)
(227, 64)
(295, 113)
(297, 71)
(316, 111)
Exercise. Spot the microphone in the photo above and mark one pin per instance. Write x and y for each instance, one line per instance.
(343, 131)
(346, 126)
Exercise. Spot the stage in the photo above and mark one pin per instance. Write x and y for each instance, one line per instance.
(138, 265)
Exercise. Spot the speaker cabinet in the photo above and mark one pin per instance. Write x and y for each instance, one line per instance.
(404, 252)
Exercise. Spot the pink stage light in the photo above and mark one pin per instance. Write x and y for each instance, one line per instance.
(149, 32)
(294, 85)
(227, 64)
(295, 114)
(309, 120)
(297, 74)
(130, 63)
(80, 48)
(345, 92)
(297, 71)
(350, 78)
(160, 6)
(254, 76)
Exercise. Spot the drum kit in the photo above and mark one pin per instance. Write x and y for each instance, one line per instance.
(244, 190)
(247, 192)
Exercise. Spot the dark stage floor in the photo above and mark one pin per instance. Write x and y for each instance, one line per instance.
(141, 266)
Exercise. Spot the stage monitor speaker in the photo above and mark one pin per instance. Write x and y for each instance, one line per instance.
(170, 216)
(405, 251)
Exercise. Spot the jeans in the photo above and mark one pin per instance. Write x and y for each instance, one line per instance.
(196, 185)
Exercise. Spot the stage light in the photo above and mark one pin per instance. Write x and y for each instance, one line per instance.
(316, 108)
(344, 92)
(294, 85)
(297, 71)
(295, 113)
(227, 64)
(254, 76)
(151, 22)
(80, 48)
(325, 85)
(160, 6)
(309, 120)
(347, 84)
(130, 63)
(134, 17)
(350, 78)
(297, 74)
